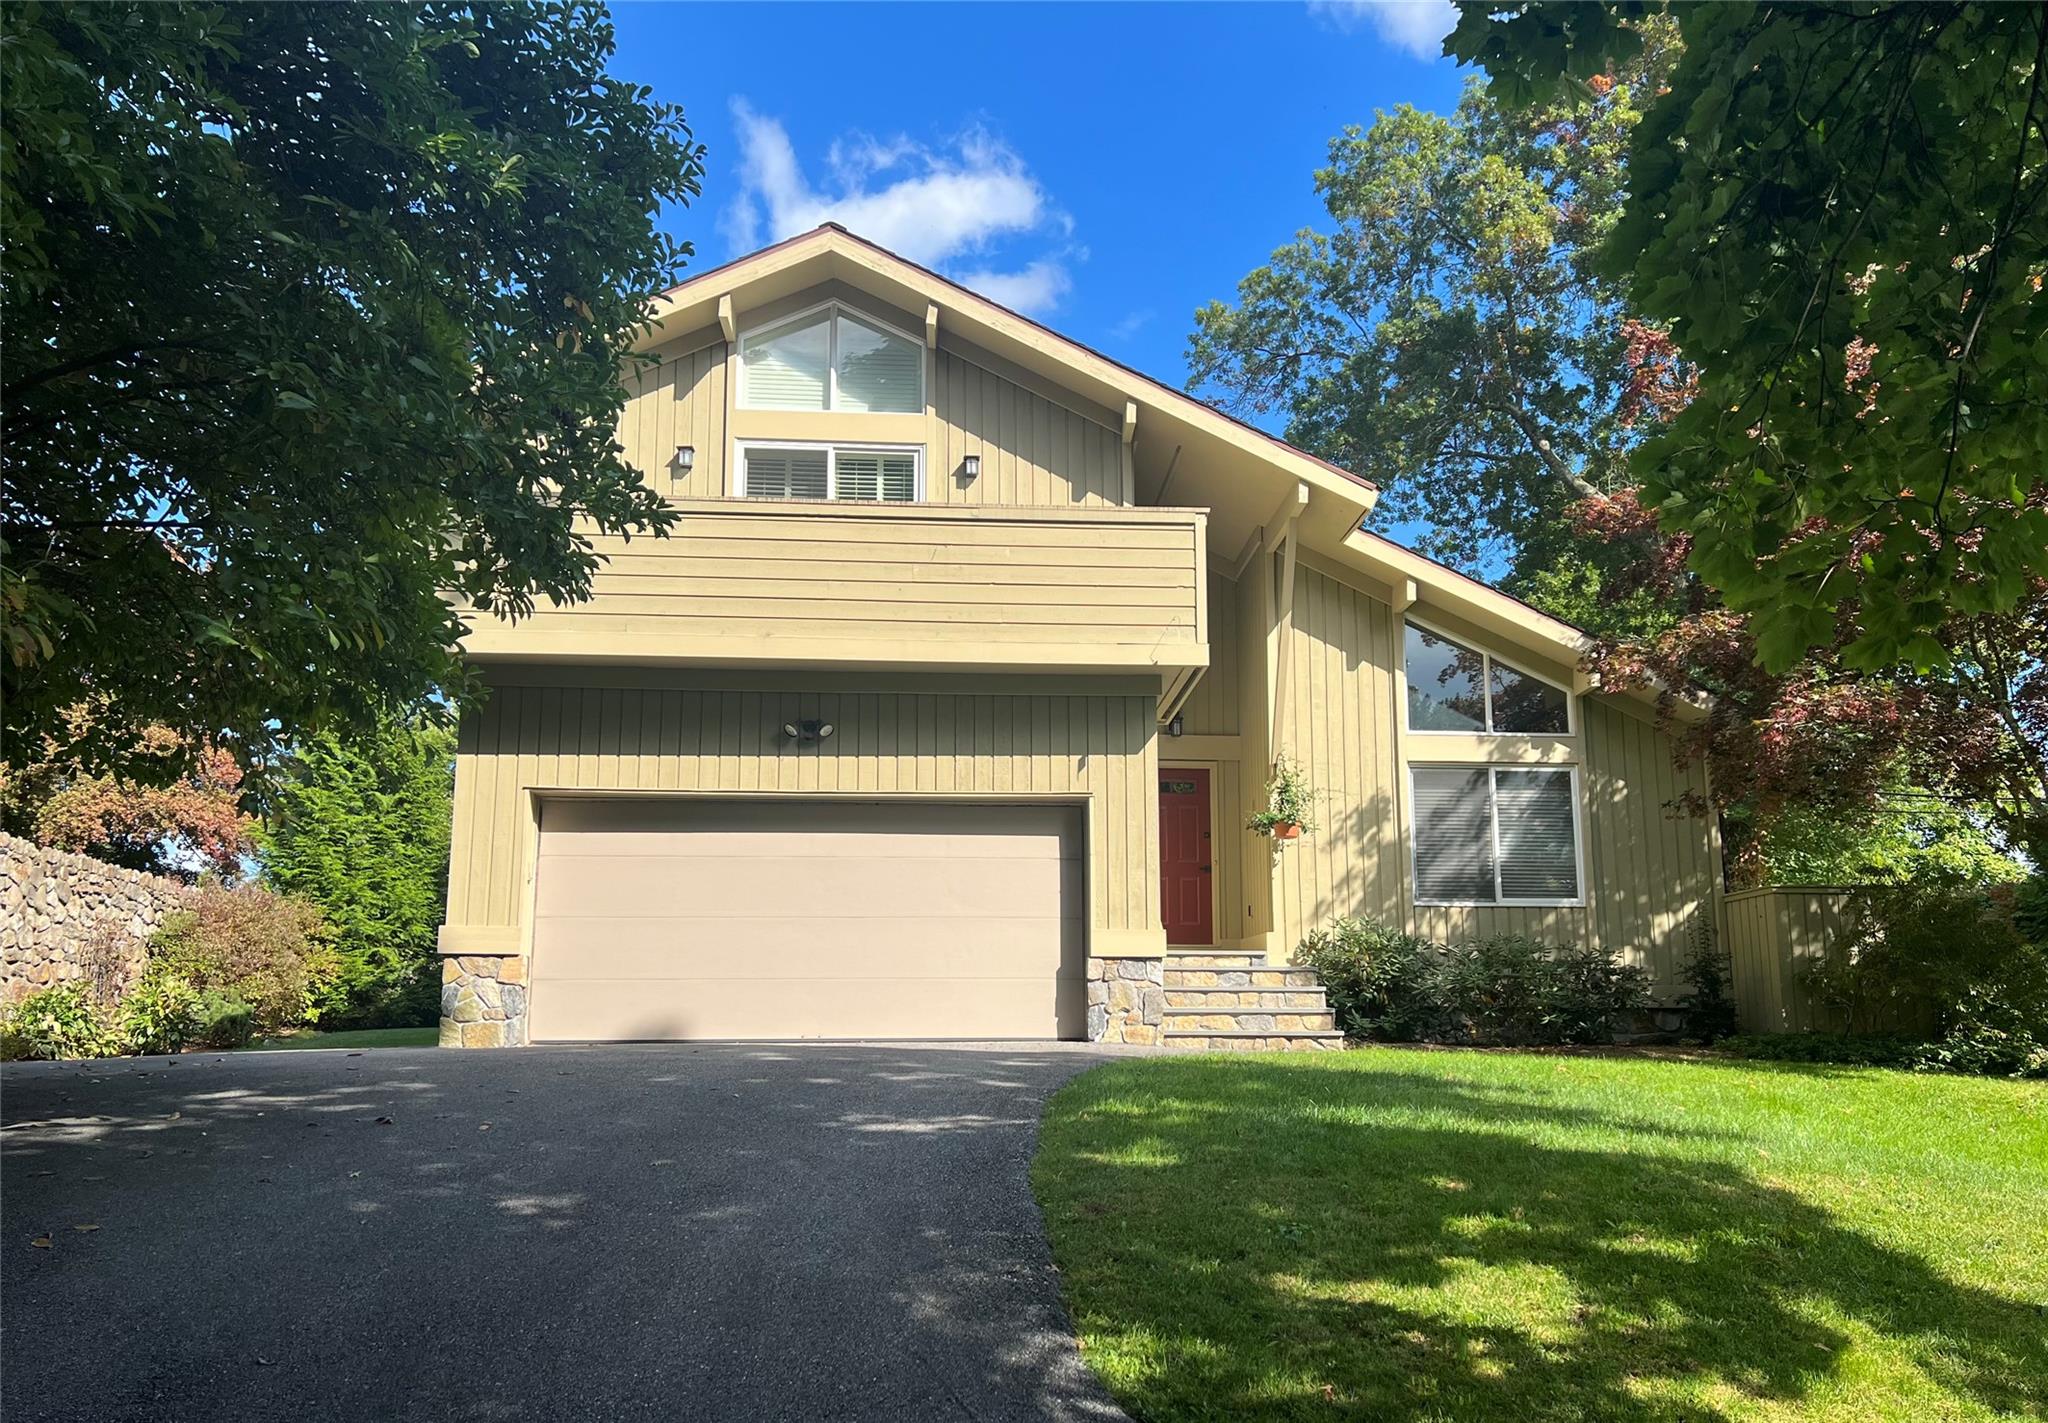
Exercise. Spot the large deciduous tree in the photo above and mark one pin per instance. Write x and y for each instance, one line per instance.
(1838, 212)
(1448, 335)
(312, 313)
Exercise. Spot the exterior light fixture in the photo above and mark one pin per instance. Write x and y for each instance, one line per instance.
(970, 466)
(808, 730)
(1175, 727)
(686, 458)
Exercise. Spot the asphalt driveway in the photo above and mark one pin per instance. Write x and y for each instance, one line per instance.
(674, 1232)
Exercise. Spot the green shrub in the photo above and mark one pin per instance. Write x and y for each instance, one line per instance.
(160, 1013)
(225, 1021)
(360, 827)
(1372, 975)
(1949, 964)
(1708, 1004)
(1849, 1049)
(1511, 990)
(271, 951)
(1507, 989)
(61, 1022)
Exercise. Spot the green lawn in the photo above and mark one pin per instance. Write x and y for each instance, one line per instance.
(358, 1038)
(1461, 1236)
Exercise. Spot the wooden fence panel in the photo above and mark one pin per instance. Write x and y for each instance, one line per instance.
(1774, 935)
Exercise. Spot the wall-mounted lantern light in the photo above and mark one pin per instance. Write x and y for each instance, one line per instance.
(970, 467)
(808, 730)
(686, 458)
(1174, 727)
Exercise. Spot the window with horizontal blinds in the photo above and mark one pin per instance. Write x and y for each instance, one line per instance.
(829, 472)
(869, 474)
(1495, 835)
(1453, 836)
(787, 473)
(876, 370)
(1539, 858)
(788, 368)
(831, 360)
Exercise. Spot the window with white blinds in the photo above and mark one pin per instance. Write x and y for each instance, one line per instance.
(831, 360)
(1495, 835)
(829, 472)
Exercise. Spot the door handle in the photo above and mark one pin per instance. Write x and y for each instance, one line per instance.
(1205, 869)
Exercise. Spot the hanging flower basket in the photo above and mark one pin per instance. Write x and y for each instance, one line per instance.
(1290, 803)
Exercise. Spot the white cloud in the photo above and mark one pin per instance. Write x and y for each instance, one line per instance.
(1418, 26)
(935, 206)
(1037, 287)
(1132, 323)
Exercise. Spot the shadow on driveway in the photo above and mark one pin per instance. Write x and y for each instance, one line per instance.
(725, 1231)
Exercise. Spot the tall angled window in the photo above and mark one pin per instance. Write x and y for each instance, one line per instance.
(830, 359)
(1452, 687)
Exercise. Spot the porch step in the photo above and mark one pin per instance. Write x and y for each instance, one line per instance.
(1305, 1040)
(1247, 1020)
(1217, 999)
(1215, 958)
(1256, 976)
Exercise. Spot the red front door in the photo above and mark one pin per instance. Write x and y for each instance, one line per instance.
(1185, 863)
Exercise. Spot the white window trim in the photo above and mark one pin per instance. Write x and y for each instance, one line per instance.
(1486, 661)
(833, 449)
(1499, 901)
(836, 308)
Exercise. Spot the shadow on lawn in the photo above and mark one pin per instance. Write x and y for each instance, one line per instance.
(1267, 1257)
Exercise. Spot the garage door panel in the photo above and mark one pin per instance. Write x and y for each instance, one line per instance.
(861, 1007)
(782, 947)
(784, 844)
(774, 918)
(818, 887)
(776, 815)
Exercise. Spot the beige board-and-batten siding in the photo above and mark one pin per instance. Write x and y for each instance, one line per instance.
(1647, 865)
(760, 582)
(1039, 448)
(645, 734)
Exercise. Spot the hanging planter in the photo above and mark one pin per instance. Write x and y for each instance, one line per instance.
(1290, 803)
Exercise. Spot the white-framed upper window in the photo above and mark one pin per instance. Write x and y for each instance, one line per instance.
(1456, 688)
(1495, 834)
(831, 358)
(890, 474)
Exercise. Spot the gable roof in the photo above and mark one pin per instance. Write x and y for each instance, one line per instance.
(1343, 499)
(832, 250)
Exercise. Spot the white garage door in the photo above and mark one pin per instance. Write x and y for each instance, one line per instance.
(778, 919)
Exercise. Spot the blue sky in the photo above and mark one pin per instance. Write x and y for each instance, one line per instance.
(1104, 168)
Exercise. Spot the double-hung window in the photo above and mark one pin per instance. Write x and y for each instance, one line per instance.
(831, 359)
(1495, 834)
(883, 473)
(1452, 687)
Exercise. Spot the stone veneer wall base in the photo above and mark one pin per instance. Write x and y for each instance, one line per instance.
(483, 1000)
(1126, 999)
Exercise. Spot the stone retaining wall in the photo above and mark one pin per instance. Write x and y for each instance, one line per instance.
(66, 918)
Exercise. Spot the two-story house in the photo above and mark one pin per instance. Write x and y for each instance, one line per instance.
(941, 711)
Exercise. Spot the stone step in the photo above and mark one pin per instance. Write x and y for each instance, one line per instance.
(1247, 1021)
(1254, 1042)
(1179, 977)
(1215, 958)
(1269, 1000)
